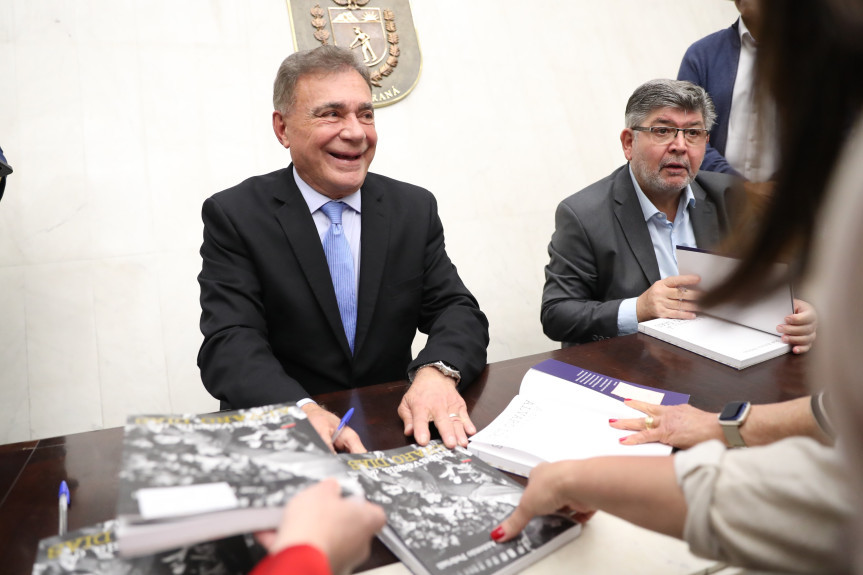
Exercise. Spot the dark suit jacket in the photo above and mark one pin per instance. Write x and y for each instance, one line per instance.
(601, 252)
(712, 64)
(271, 325)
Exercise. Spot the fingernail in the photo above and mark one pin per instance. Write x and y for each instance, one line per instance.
(627, 399)
(622, 439)
(612, 421)
(497, 534)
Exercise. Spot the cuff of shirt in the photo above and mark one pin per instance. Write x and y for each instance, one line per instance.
(627, 317)
(306, 401)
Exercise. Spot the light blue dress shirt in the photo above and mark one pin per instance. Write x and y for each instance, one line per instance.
(351, 220)
(665, 236)
(351, 226)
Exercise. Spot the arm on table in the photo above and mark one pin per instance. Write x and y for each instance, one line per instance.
(569, 311)
(457, 335)
(684, 426)
(641, 490)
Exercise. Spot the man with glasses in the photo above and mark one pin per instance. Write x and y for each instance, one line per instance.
(612, 261)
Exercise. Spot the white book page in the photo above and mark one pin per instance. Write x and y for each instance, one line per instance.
(546, 388)
(160, 502)
(732, 340)
(764, 314)
(555, 431)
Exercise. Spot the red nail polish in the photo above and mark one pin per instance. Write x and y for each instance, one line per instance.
(627, 399)
(622, 439)
(612, 421)
(497, 534)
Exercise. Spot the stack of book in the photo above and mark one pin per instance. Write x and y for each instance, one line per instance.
(187, 479)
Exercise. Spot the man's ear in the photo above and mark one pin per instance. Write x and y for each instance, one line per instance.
(627, 137)
(280, 129)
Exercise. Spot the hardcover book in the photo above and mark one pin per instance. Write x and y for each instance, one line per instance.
(187, 479)
(442, 506)
(93, 550)
(190, 478)
(735, 335)
(561, 412)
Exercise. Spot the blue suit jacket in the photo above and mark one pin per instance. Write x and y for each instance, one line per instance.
(712, 64)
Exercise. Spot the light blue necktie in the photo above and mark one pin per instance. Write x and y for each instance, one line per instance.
(341, 263)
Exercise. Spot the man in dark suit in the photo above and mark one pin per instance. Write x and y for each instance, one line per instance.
(284, 318)
(612, 261)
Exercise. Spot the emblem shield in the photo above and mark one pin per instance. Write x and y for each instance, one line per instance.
(383, 38)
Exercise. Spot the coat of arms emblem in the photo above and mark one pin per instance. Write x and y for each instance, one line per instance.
(382, 37)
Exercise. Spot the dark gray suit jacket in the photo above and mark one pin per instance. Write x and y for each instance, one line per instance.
(271, 324)
(601, 252)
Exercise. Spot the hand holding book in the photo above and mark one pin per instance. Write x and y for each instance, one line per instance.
(672, 297)
(340, 527)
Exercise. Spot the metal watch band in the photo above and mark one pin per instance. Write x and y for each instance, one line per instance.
(440, 366)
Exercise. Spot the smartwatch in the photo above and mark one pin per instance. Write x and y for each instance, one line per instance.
(444, 368)
(733, 416)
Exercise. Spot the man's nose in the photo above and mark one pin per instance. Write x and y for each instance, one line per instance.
(352, 129)
(679, 142)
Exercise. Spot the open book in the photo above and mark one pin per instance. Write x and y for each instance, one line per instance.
(187, 479)
(738, 336)
(562, 412)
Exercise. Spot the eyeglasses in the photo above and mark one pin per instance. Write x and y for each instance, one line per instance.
(667, 134)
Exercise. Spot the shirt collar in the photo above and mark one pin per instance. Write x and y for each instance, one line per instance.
(647, 207)
(746, 37)
(315, 199)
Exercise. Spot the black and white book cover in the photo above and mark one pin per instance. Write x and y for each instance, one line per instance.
(93, 551)
(208, 476)
(442, 506)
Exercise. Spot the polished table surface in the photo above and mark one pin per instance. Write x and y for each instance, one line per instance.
(31, 471)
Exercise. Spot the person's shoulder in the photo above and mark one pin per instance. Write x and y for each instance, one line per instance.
(708, 44)
(262, 185)
(598, 193)
(396, 192)
(387, 185)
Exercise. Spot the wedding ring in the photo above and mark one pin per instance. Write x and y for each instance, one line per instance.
(454, 415)
(648, 422)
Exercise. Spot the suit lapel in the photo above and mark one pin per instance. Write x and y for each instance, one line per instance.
(302, 235)
(631, 219)
(373, 249)
(705, 223)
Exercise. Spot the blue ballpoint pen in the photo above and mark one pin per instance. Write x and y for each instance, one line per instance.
(65, 499)
(343, 423)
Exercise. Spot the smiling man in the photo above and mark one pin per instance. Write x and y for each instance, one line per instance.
(612, 261)
(316, 277)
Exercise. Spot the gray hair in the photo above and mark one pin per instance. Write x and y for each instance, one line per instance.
(663, 93)
(324, 59)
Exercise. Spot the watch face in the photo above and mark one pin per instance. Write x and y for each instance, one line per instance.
(732, 411)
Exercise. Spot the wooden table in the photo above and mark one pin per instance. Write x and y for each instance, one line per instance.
(31, 471)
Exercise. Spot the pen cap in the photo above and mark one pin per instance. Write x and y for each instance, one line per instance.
(64, 492)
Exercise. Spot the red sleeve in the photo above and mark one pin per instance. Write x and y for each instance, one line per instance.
(294, 560)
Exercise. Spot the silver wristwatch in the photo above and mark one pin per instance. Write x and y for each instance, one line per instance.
(445, 369)
(733, 416)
